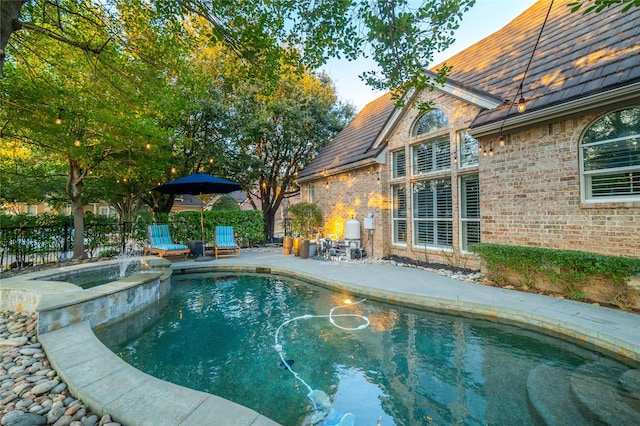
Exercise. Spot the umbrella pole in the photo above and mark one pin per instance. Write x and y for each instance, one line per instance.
(203, 257)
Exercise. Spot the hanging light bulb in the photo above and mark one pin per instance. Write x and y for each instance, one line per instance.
(148, 145)
(77, 142)
(59, 117)
(326, 185)
(490, 150)
(501, 140)
(522, 106)
(210, 160)
(173, 169)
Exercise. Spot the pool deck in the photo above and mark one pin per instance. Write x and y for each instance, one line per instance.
(104, 382)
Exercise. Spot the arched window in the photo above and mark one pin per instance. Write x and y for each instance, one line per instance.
(610, 157)
(429, 122)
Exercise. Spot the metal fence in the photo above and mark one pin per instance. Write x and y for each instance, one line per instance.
(25, 246)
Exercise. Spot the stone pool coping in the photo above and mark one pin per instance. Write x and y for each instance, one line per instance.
(106, 384)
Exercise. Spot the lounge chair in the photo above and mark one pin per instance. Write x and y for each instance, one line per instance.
(161, 244)
(225, 243)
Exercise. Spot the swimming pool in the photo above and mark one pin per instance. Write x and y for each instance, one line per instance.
(217, 334)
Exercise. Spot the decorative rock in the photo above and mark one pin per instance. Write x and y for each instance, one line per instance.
(63, 421)
(14, 341)
(59, 388)
(90, 421)
(57, 410)
(30, 351)
(28, 419)
(11, 416)
(44, 387)
(79, 414)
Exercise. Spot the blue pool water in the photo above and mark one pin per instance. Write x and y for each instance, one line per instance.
(216, 333)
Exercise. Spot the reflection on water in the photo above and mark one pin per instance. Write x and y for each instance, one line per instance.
(216, 334)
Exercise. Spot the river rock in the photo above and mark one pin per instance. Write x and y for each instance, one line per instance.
(27, 419)
(44, 387)
(14, 341)
(63, 421)
(57, 410)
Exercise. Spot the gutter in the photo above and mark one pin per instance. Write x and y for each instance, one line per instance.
(575, 106)
(378, 159)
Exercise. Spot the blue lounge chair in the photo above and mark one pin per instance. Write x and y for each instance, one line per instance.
(225, 243)
(161, 244)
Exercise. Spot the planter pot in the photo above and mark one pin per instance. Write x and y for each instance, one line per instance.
(304, 249)
(287, 245)
(296, 246)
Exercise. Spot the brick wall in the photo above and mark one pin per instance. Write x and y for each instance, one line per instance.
(353, 195)
(530, 196)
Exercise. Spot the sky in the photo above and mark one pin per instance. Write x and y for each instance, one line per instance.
(483, 19)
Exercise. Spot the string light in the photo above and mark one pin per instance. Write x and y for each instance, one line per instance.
(59, 117)
(148, 145)
(77, 142)
(501, 140)
(173, 169)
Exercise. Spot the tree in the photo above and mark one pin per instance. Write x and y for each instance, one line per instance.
(303, 34)
(277, 133)
(93, 113)
(599, 5)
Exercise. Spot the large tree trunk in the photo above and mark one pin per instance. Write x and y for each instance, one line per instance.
(269, 221)
(75, 182)
(9, 22)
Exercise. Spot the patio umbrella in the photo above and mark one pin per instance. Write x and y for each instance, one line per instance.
(197, 184)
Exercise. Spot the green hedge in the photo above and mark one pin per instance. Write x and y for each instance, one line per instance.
(566, 266)
(248, 225)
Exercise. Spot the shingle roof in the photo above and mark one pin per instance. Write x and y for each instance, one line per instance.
(577, 55)
(355, 142)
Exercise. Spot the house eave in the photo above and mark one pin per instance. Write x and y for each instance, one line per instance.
(378, 159)
(572, 107)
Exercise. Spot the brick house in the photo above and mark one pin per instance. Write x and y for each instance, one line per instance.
(564, 173)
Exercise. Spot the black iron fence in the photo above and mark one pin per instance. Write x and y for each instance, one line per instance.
(24, 246)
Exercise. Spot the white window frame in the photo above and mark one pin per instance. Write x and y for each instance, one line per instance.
(440, 157)
(395, 219)
(465, 220)
(471, 150)
(311, 192)
(437, 218)
(628, 171)
(394, 163)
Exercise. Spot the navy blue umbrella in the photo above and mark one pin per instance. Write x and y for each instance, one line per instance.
(197, 184)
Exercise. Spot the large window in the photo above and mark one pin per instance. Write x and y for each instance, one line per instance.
(468, 150)
(398, 164)
(432, 213)
(610, 157)
(311, 193)
(469, 210)
(432, 156)
(399, 214)
(430, 122)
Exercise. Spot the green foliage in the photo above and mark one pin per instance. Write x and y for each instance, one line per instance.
(225, 202)
(247, 225)
(599, 5)
(567, 267)
(305, 218)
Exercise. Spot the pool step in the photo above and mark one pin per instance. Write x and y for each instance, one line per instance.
(549, 395)
(608, 392)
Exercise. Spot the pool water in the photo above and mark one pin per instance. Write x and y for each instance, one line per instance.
(216, 334)
(94, 277)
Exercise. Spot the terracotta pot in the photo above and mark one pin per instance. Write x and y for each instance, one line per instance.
(287, 244)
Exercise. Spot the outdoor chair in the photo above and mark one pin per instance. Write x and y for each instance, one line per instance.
(161, 244)
(225, 243)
